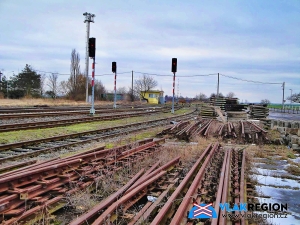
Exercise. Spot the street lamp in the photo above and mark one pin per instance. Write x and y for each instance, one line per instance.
(291, 95)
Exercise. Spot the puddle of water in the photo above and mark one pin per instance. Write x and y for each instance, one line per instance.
(276, 165)
(276, 173)
(277, 181)
(282, 196)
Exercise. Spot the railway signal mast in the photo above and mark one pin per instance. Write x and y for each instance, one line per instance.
(92, 54)
(114, 70)
(88, 19)
(174, 70)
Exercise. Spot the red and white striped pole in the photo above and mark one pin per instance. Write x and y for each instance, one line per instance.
(173, 93)
(92, 111)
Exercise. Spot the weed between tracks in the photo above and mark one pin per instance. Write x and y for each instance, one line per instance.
(84, 200)
(16, 136)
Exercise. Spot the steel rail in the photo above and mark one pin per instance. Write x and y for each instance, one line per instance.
(66, 122)
(184, 183)
(91, 214)
(73, 135)
(64, 113)
(36, 190)
(242, 183)
(204, 127)
(51, 149)
(51, 169)
(157, 174)
(14, 166)
(221, 188)
(183, 207)
(153, 173)
(92, 152)
(225, 187)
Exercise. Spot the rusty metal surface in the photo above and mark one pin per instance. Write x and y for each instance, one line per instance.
(104, 216)
(188, 198)
(65, 122)
(221, 188)
(42, 178)
(164, 210)
(106, 202)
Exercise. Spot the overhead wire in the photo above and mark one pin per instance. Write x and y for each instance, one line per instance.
(252, 81)
(169, 75)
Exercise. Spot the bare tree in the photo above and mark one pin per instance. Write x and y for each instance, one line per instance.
(144, 84)
(42, 82)
(52, 84)
(121, 90)
(133, 96)
(75, 72)
(201, 97)
(230, 95)
(99, 90)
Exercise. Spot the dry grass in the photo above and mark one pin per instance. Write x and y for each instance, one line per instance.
(85, 200)
(293, 169)
(273, 134)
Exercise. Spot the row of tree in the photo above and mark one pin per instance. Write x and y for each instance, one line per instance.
(32, 84)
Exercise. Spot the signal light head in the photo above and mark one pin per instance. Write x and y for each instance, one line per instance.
(174, 65)
(92, 47)
(114, 67)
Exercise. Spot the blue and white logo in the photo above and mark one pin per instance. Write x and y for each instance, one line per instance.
(202, 211)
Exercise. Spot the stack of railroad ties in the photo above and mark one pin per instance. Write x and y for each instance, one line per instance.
(242, 131)
(27, 194)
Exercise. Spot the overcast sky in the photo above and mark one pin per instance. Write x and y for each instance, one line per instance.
(251, 40)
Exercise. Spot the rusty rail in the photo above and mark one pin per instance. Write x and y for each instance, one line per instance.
(187, 200)
(130, 194)
(44, 178)
(90, 215)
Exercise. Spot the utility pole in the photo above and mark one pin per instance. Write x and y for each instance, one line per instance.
(132, 98)
(291, 95)
(283, 84)
(218, 86)
(88, 18)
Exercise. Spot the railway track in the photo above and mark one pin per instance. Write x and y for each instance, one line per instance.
(63, 108)
(65, 122)
(24, 193)
(217, 176)
(14, 151)
(242, 131)
(67, 112)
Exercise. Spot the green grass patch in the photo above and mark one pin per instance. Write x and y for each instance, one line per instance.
(25, 135)
(291, 155)
(275, 106)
